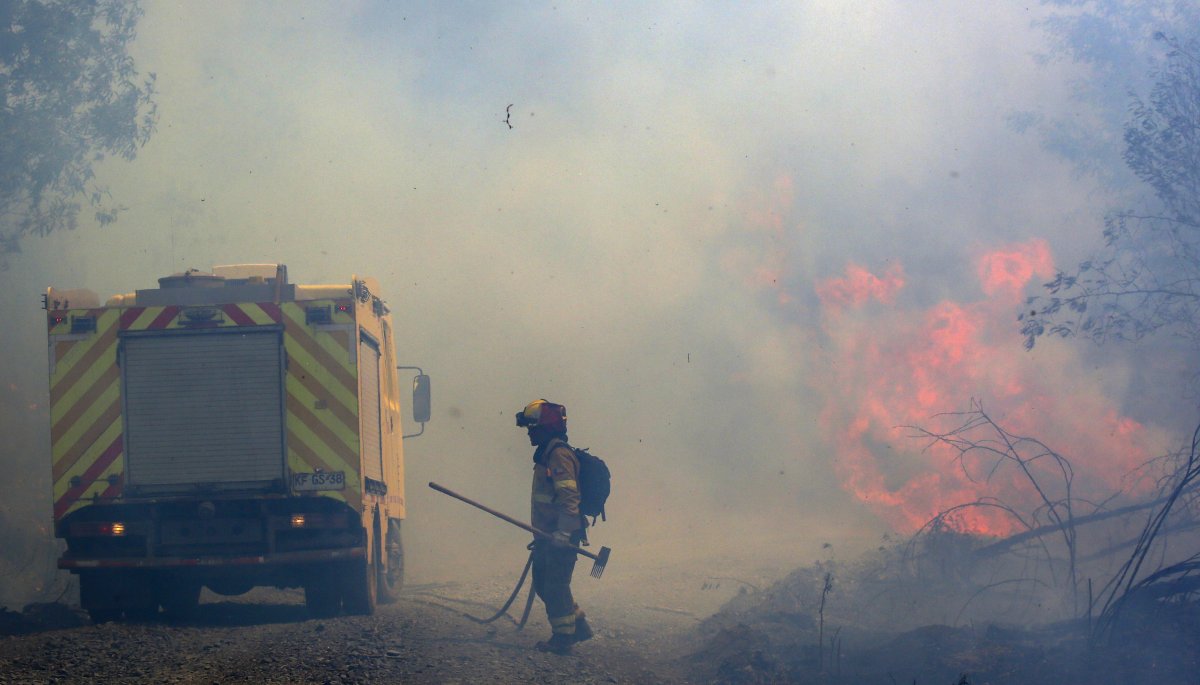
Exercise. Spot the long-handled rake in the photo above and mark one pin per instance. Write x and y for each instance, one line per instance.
(601, 559)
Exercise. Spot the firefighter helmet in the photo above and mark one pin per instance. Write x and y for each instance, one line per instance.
(543, 413)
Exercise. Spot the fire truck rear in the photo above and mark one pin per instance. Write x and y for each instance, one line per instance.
(228, 430)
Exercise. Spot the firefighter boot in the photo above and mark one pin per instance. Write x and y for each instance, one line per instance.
(582, 630)
(559, 643)
(563, 636)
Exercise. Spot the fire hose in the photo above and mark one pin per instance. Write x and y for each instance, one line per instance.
(601, 559)
(516, 591)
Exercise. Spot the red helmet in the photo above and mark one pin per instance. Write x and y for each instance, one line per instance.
(543, 413)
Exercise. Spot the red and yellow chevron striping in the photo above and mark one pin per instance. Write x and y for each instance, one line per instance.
(322, 398)
(321, 388)
(85, 408)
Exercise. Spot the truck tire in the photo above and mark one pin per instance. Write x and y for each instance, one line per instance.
(99, 616)
(391, 579)
(180, 600)
(322, 598)
(98, 597)
(361, 586)
(142, 611)
(106, 595)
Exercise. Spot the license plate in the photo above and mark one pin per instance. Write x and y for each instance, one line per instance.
(322, 480)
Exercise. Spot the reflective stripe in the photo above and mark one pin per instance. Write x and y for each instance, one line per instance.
(563, 624)
(566, 483)
(544, 499)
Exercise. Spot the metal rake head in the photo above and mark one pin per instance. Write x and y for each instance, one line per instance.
(601, 562)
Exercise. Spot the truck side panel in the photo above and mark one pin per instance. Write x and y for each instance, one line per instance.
(373, 319)
(393, 444)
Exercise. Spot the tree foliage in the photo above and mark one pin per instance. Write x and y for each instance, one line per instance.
(72, 98)
(1146, 279)
(1108, 40)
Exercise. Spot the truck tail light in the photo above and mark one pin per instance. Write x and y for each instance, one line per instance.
(318, 520)
(98, 529)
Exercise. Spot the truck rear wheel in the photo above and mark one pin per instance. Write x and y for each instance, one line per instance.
(360, 591)
(98, 597)
(322, 598)
(105, 595)
(99, 616)
(323, 591)
(142, 612)
(391, 579)
(180, 600)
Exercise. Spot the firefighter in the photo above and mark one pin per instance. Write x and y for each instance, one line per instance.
(555, 510)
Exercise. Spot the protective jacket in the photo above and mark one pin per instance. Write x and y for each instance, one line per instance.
(555, 507)
(555, 500)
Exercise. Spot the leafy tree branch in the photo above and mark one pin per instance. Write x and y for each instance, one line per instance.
(1146, 279)
(72, 98)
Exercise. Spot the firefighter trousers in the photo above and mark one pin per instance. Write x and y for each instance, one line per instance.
(552, 569)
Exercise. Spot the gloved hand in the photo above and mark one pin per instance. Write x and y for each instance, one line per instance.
(561, 538)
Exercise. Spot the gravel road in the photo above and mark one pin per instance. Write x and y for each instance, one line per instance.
(642, 636)
(423, 638)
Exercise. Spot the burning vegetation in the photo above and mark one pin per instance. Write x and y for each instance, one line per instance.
(1086, 592)
(1050, 537)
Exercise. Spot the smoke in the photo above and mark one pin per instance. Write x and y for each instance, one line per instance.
(741, 246)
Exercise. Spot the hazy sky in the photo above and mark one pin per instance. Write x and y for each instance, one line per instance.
(742, 243)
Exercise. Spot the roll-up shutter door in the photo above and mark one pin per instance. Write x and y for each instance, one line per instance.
(372, 443)
(203, 409)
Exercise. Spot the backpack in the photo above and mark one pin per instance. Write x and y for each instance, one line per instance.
(595, 483)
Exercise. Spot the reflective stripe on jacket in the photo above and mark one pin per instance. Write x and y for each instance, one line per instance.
(555, 500)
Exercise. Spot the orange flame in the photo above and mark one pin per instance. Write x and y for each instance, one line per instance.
(937, 360)
(885, 364)
(1008, 271)
(860, 286)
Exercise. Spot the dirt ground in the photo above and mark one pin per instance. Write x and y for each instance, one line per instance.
(720, 620)
(644, 622)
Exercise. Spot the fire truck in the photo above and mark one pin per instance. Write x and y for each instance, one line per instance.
(228, 429)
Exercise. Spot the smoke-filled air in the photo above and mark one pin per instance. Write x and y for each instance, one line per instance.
(843, 293)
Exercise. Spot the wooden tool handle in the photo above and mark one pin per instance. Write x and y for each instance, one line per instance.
(505, 517)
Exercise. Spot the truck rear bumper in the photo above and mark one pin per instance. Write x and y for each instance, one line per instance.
(279, 558)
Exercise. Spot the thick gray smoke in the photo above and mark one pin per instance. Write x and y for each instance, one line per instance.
(635, 212)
